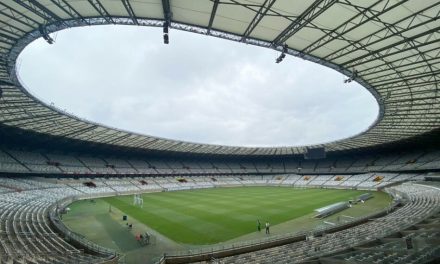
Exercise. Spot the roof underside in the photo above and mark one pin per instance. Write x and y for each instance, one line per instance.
(393, 45)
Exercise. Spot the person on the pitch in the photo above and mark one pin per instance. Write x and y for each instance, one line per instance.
(267, 227)
(258, 225)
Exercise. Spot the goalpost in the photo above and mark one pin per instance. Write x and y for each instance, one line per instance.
(138, 200)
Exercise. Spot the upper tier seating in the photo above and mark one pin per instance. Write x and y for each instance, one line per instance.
(36, 162)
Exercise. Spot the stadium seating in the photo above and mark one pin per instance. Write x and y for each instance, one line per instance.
(422, 202)
(9, 164)
(394, 251)
(23, 197)
(19, 161)
(34, 161)
(68, 164)
(27, 235)
(320, 180)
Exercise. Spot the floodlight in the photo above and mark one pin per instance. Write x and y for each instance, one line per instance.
(283, 54)
(45, 35)
(354, 75)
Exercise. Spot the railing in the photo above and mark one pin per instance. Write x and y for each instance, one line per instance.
(78, 239)
(73, 237)
(204, 253)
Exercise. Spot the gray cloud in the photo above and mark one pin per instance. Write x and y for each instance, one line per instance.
(197, 89)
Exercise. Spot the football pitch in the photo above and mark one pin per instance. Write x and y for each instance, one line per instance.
(209, 216)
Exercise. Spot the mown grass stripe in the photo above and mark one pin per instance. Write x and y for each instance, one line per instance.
(215, 215)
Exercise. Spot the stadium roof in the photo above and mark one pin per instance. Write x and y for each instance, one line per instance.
(394, 47)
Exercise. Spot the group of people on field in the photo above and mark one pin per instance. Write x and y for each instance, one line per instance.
(266, 226)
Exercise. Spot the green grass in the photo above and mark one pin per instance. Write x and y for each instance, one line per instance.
(186, 219)
(215, 215)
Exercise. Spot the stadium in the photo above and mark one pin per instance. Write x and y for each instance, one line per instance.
(76, 191)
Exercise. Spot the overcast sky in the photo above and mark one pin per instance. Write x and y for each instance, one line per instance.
(197, 88)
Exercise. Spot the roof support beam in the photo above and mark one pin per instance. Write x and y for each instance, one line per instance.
(12, 111)
(148, 143)
(10, 33)
(394, 46)
(412, 100)
(257, 18)
(63, 126)
(371, 40)
(406, 78)
(421, 114)
(399, 61)
(54, 127)
(356, 21)
(406, 85)
(7, 39)
(16, 15)
(118, 139)
(130, 11)
(404, 75)
(6, 104)
(79, 132)
(399, 106)
(317, 8)
(101, 10)
(213, 12)
(407, 67)
(393, 30)
(30, 119)
(39, 10)
(416, 95)
(105, 136)
(177, 144)
(392, 75)
(68, 9)
(167, 15)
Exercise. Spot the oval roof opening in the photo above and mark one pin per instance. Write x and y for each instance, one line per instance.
(197, 88)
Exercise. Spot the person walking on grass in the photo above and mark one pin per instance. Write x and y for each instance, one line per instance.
(258, 225)
(267, 228)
